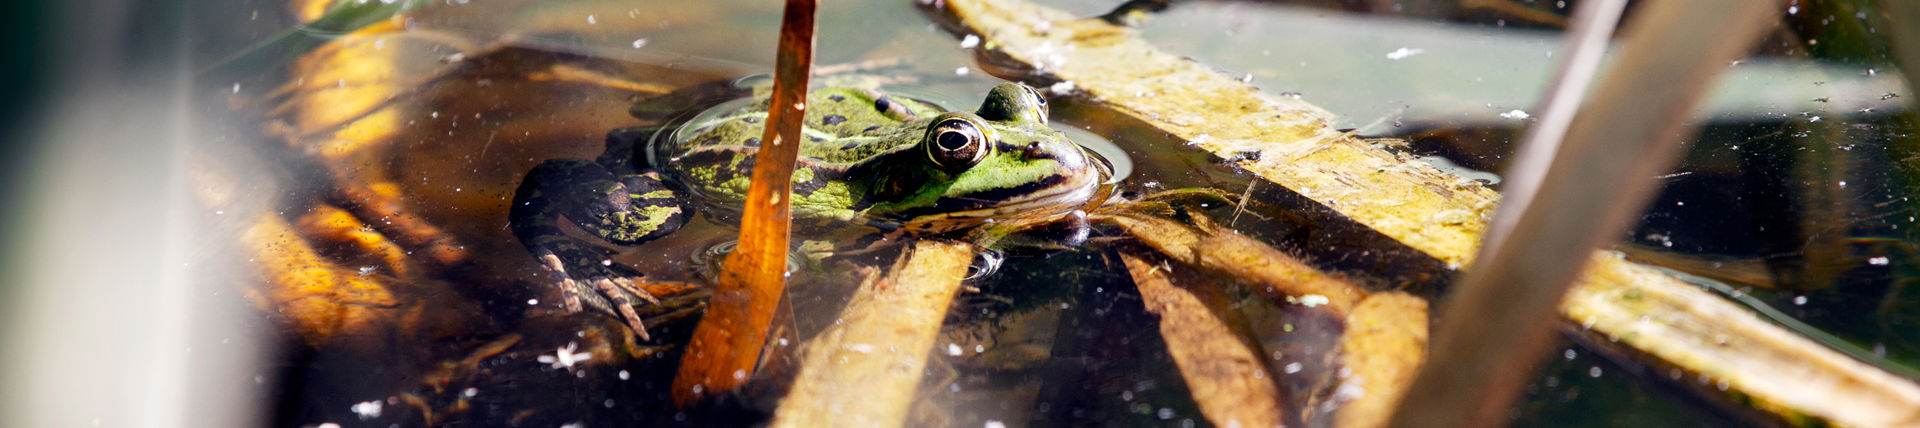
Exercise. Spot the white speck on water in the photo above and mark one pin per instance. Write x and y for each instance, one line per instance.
(236, 87)
(1813, 119)
(1516, 114)
(1291, 368)
(565, 357)
(954, 350)
(1062, 87)
(969, 42)
(1793, 10)
(592, 20)
(861, 348)
(624, 375)
(327, 425)
(1593, 371)
(739, 375)
(470, 392)
(1878, 261)
(1569, 354)
(367, 409)
(1313, 300)
(979, 349)
(366, 270)
(1126, 395)
(994, 424)
(1843, 184)
(608, 403)
(605, 262)
(1164, 413)
(574, 425)
(962, 71)
(1403, 53)
(640, 43)
(1348, 392)
(531, 302)
(1799, 300)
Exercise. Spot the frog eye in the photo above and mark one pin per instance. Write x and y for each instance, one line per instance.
(955, 144)
(1036, 95)
(1039, 102)
(1014, 102)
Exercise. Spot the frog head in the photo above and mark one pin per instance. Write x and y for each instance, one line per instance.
(999, 161)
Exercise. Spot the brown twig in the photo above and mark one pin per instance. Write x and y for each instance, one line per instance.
(863, 371)
(726, 346)
(1209, 344)
(1382, 349)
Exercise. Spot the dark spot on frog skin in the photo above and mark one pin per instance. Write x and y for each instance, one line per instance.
(833, 119)
(750, 119)
(870, 129)
(753, 141)
(836, 98)
(850, 145)
(815, 139)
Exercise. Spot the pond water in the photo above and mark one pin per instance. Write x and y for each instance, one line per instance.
(396, 296)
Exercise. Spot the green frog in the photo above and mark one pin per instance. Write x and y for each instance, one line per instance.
(871, 162)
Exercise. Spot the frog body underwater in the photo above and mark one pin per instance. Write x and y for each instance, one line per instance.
(869, 160)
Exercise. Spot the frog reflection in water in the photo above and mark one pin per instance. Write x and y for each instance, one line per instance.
(888, 164)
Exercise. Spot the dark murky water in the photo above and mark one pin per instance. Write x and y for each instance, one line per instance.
(1815, 210)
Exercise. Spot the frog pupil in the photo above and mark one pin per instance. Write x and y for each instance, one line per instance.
(951, 141)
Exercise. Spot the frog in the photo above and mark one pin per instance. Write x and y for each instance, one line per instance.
(871, 162)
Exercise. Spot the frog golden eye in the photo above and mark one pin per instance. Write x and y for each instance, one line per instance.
(955, 144)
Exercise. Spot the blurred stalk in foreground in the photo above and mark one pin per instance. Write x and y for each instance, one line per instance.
(1500, 317)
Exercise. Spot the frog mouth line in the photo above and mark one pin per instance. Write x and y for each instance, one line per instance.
(1062, 198)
